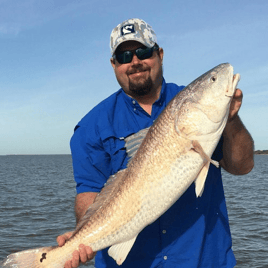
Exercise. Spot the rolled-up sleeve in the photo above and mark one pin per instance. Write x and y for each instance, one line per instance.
(91, 164)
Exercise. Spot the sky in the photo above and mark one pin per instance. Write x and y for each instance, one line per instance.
(55, 60)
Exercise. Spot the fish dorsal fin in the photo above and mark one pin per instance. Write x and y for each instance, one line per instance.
(120, 251)
(111, 186)
(113, 183)
(134, 141)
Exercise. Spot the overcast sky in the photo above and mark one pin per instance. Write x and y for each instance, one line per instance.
(54, 60)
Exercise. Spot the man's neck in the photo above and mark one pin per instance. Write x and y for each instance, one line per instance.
(146, 102)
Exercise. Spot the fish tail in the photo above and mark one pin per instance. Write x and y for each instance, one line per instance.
(32, 258)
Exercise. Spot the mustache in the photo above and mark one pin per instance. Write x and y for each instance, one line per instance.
(137, 69)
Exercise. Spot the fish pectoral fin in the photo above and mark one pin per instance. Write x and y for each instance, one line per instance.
(200, 180)
(120, 251)
(196, 146)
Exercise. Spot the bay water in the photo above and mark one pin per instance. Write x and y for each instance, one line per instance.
(37, 195)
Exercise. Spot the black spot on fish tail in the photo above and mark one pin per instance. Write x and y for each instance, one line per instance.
(43, 257)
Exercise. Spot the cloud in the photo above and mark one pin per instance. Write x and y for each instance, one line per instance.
(8, 30)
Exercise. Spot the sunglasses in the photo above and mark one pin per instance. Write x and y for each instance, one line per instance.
(141, 53)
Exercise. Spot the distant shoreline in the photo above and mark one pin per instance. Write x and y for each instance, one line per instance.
(261, 152)
(33, 154)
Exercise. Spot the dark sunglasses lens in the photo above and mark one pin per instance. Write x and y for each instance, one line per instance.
(124, 57)
(144, 53)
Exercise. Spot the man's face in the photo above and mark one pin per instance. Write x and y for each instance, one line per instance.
(139, 77)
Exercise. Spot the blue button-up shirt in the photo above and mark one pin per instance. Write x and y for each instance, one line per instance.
(194, 232)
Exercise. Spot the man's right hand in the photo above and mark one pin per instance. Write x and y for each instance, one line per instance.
(84, 254)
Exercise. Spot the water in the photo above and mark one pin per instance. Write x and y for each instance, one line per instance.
(247, 202)
(37, 199)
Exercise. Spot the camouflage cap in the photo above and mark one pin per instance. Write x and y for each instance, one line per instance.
(132, 30)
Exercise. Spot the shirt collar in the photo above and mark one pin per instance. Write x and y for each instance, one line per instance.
(132, 102)
(163, 93)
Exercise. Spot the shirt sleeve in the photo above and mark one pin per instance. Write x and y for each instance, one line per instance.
(91, 164)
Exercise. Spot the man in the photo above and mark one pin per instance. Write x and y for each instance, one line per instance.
(194, 232)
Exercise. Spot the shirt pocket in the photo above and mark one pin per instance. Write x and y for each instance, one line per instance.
(114, 146)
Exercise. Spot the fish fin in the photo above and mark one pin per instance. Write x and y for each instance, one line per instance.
(196, 146)
(120, 251)
(111, 186)
(134, 141)
(200, 180)
(31, 258)
(215, 163)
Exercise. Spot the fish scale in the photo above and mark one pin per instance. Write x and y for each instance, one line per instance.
(165, 160)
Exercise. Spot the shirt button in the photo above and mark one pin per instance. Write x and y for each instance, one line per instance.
(135, 109)
(134, 102)
(165, 258)
(164, 231)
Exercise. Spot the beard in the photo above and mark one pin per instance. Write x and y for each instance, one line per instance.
(142, 86)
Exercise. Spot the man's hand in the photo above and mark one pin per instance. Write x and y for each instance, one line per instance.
(238, 145)
(84, 254)
(61, 239)
(235, 104)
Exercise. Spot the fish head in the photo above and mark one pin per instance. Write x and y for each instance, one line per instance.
(214, 90)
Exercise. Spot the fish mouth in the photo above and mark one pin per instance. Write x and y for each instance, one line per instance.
(236, 79)
(230, 90)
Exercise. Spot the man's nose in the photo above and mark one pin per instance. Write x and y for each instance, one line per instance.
(135, 60)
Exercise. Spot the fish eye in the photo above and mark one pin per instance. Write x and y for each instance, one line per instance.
(213, 78)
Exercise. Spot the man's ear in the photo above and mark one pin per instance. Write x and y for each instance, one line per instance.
(112, 60)
(161, 54)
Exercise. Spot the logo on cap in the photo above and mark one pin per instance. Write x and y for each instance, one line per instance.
(127, 29)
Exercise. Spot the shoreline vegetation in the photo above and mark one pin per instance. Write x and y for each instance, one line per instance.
(261, 152)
